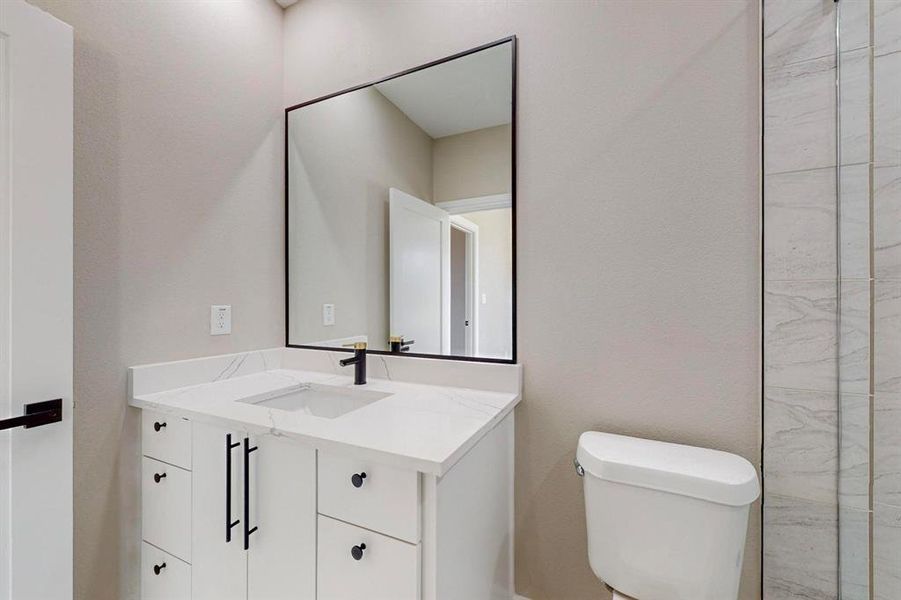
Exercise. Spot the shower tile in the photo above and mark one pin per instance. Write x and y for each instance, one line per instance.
(800, 335)
(887, 552)
(854, 456)
(854, 344)
(800, 550)
(887, 26)
(800, 447)
(887, 449)
(800, 225)
(797, 30)
(855, 24)
(854, 551)
(855, 221)
(855, 106)
(887, 225)
(887, 337)
(887, 110)
(799, 116)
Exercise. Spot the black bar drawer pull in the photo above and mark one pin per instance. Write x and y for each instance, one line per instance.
(247, 529)
(36, 414)
(228, 488)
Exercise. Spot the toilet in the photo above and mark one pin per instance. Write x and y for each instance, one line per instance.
(665, 521)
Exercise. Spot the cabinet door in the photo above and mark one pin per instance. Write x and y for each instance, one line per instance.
(281, 561)
(218, 568)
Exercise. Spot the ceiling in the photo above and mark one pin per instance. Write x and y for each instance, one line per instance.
(457, 96)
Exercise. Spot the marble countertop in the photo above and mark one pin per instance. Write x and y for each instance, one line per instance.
(423, 427)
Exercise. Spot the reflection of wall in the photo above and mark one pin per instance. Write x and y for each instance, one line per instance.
(475, 163)
(345, 154)
(637, 221)
(495, 281)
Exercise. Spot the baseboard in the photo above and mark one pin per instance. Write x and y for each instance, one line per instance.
(518, 597)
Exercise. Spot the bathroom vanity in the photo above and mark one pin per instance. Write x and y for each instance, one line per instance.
(270, 475)
(387, 473)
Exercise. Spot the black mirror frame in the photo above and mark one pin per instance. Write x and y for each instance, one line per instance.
(507, 40)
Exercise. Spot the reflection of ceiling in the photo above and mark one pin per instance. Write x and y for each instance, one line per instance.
(461, 95)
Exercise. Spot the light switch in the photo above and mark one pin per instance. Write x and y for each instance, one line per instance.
(220, 319)
(328, 314)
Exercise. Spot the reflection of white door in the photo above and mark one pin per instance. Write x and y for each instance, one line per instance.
(419, 272)
(35, 302)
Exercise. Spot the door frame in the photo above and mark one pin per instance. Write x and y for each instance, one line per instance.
(471, 231)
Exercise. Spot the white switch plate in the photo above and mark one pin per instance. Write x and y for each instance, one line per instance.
(220, 319)
(328, 314)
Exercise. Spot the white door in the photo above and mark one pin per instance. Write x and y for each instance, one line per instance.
(218, 563)
(420, 295)
(281, 560)
(35, 303)
(471, 282)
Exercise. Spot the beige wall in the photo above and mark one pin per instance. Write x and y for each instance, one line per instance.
(178, 205)
(345, 154)
(472, 164)
(638, 191)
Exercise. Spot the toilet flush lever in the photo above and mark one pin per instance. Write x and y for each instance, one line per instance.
(579, 470)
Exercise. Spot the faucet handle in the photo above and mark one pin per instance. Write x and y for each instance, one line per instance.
(356, 345)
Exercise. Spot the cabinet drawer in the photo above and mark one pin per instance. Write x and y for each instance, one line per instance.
(166, 438)
(386, 501)
(388, 569)
(170, 581)
(166, 510)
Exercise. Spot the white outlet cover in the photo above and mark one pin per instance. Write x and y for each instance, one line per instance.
(220, 319)
(328, 314)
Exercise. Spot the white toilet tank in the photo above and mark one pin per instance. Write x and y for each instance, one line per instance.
(665, 521)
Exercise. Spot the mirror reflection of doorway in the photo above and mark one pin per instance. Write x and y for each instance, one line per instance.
(464, 286)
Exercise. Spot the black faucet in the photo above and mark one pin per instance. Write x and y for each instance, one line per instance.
(397, 343)
(358, 361)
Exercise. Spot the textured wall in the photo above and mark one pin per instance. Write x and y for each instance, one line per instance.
(639, 280)
(178, 205)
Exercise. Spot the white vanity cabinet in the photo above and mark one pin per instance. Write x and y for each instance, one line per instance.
(253, 516)
(247, 516)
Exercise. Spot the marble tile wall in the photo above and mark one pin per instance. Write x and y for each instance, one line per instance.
(818, 369)
(887, 299)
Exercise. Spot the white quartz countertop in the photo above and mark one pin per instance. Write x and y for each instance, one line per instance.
(422, 427)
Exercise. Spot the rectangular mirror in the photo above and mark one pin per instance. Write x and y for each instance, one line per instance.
(400, 212)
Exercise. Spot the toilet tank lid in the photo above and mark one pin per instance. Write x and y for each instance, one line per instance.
(701, 473)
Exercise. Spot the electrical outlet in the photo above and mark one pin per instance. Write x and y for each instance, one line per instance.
(328, 314)
(220, 319)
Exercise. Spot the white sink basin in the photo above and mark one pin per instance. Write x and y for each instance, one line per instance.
(319, 400)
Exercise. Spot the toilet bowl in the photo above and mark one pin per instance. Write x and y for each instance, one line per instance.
(665, 521)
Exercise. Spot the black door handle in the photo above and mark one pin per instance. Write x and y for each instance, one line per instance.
(357, 551)
(157, 477)
(228, 488)
(158, 568)
(247, 528)
(157, 425)
(36, 414)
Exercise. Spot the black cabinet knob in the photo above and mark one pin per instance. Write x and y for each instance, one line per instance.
(157, 425)
(357, 479)
(357, 551)
(158, 568)
(158, 476)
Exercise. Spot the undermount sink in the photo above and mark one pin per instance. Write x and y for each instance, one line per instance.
(319, 400)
